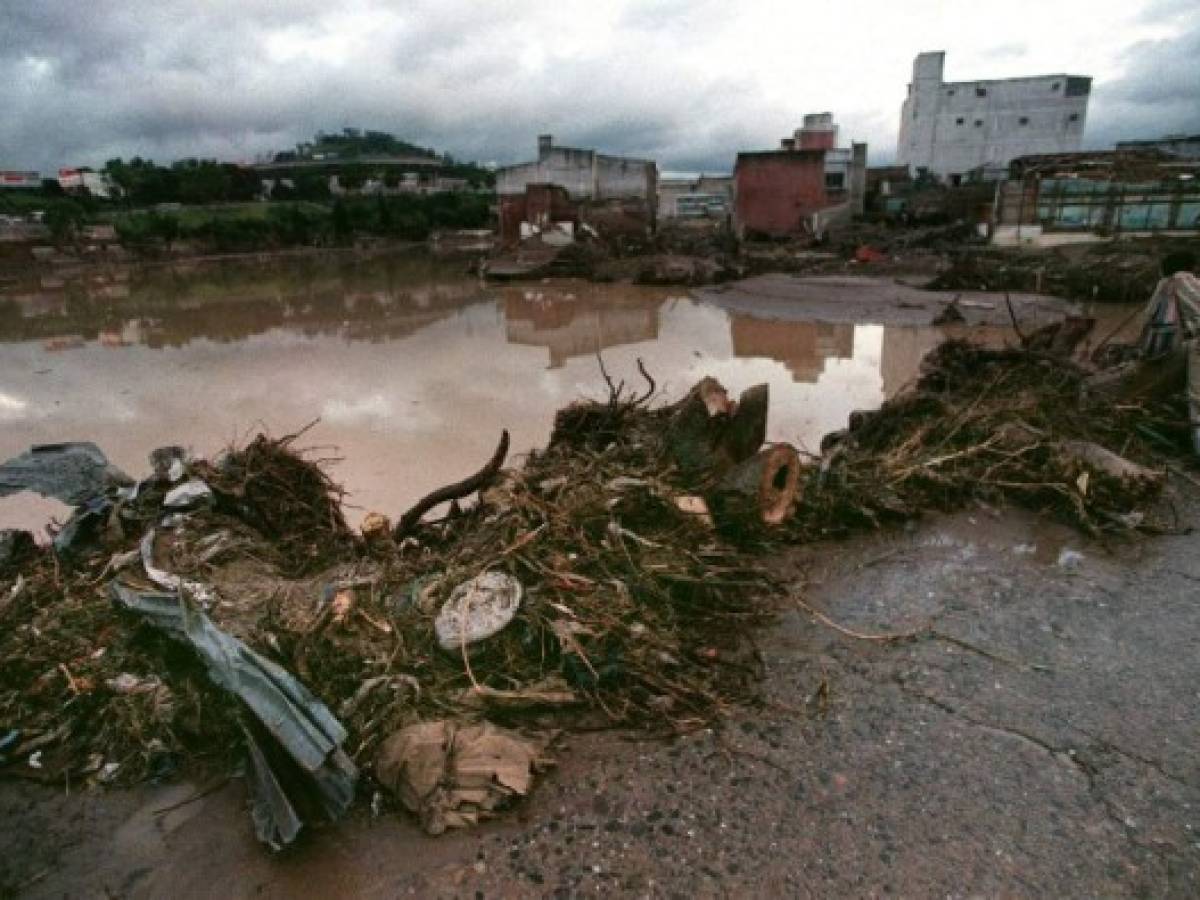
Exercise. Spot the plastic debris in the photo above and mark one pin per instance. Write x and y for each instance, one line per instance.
(1070, 559)
(452, 775)
(73, 473)
(477, 609)
(188, 495)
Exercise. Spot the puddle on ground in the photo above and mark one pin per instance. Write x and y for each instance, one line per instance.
(409, 366)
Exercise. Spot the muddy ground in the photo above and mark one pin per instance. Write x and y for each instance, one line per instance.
(882, 300)
(1052, 753)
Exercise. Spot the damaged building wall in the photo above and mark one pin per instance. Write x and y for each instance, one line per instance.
(586, 176)
(707, 195)
(955, 128)
(539, 206)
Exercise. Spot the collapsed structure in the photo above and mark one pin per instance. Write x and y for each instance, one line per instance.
(565, 187)
(1062, 198)
(805, 186)
(956, 129)
(705, 196)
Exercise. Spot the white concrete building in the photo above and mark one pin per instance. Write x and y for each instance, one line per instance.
(951, 128)
(585, 174)
(78, 180)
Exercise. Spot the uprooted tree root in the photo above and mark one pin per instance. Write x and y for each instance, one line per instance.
(635, 612)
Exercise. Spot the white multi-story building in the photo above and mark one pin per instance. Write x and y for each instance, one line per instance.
(950, 128)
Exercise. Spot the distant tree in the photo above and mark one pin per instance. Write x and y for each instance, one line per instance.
(342, 226)
(383, 215)
(311, 186)
(63, 218)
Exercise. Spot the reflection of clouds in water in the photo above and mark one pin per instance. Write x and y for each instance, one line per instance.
(361, 409)
(410, 412)
(13, 409)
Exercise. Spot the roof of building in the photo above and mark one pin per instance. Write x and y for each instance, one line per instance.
(797, 155)
(969, 82)
(628, 160)
(1123, 164)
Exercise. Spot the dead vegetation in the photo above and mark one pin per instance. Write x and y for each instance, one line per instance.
(1118, 271)
(995, 426)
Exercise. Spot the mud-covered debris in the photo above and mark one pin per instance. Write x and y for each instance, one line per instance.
(376, 526)
(169, 464)
(453, 774)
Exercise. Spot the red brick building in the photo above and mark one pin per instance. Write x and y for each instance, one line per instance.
(777, 191)
(806, 186)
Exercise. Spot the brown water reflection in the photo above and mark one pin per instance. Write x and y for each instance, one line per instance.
(411, 366)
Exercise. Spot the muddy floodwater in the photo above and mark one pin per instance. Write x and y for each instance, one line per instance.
(408, 366)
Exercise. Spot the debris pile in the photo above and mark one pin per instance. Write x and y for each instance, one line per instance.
(1120, 271)
(993, 426)
(224, 610)
(246, 619)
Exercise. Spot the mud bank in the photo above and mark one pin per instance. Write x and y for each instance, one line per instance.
(887, 301)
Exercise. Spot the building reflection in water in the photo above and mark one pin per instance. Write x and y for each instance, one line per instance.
(803, 347)
(576, 320)
(374, 300)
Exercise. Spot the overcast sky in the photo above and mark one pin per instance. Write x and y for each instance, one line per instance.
(686, 82)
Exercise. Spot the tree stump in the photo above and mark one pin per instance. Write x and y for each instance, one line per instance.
(761, 490)
(709, 433)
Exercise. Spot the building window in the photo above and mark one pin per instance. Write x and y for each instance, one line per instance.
(959, 121)
(1055, 86)
(835, 181)
(1073, 117)
(979, 123)
(950, 93)
(1024, 120)
(980, 92)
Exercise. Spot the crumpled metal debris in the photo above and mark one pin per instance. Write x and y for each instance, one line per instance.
(298, 766)
(477, 609)
(73, 472)
(453, 774)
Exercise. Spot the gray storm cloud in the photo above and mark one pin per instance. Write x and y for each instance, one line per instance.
(687, 83)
